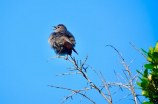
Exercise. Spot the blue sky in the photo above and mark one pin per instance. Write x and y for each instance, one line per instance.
(24, 30)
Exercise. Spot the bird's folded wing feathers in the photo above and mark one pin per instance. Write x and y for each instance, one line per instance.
(60, 38)
(65, 38)
(70, 37)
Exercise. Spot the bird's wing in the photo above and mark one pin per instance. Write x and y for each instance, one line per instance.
(68, 43)
(58, 39)
(65, 38)
(70, 36)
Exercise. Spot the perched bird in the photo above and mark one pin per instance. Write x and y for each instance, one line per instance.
(62, 41)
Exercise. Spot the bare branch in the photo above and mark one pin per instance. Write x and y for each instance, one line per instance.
(116, 51)
(141, 100)
(75, 91)
(123, 97)
(120, 85)
(122, 78)
(83, 63)
(67, 97)
(60, 57)
(82, 69)
(129, 74)
(117, 90)
(68, 73)
(84, 92)
(86, 77)
(131, 62)
(117, 76)
(71, 89)
(95, 87)
(84, 74)
(138, 50)
(107, 88)
(87, 97)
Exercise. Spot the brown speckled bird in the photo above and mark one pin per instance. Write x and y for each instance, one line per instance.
(62, 41)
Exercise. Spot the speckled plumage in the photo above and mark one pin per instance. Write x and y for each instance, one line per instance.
(62, 41)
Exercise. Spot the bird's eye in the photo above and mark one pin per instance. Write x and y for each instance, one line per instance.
(58, 27)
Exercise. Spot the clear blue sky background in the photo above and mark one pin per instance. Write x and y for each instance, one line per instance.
(25, 26)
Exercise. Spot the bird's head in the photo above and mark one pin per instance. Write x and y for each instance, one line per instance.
(59, 28)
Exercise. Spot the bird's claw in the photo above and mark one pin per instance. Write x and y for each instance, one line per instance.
(66, 58)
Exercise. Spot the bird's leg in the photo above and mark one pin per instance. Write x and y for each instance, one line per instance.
(66, 58)
(57, 56)
(60, 51)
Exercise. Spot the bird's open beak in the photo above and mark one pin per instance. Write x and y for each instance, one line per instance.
(54, 27)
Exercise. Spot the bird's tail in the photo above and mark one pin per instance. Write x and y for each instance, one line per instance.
(69, 46)
(74, 50)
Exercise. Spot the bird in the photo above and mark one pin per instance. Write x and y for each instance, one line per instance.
(62, 41)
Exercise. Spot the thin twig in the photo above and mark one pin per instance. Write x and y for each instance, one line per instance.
(86, 77)
(122, 78)
(84, 92)
(68, 73)
(75, 91)
(131, 62)
(120, 87)
(138, 50)
(60, 57)
(141, 100)
(120, 84)
(117, 90)
(83, 63)
(124, 97)
(67, 97)
(107, 88)
(116, 51)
